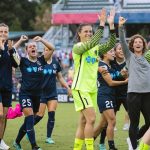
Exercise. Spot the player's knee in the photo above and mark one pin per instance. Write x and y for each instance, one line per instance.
(91, 119)
(1, 116)
(40, 113)
(112, 121)
(83, 121)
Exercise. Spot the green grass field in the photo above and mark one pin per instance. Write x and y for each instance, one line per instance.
(64, 131)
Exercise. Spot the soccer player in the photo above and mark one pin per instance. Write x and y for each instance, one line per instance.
(8, 59)
(84, 87)
(52, 70)
(139, 84)
(30, 92)
(119, 64)
(106, 96)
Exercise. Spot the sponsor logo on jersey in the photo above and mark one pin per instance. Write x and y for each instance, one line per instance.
(90, 59)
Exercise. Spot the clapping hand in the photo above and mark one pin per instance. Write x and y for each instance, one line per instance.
(102, 17)
(10, 44)
(1, 43)
(111, 17)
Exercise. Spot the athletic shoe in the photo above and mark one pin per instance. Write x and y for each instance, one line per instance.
(115, 129)
(129, 144)
(113, 149)
(126, 127)
(27, 138)
(49, 141)
(3, 145)
(102, 147)
(17, 146)
(36, 148)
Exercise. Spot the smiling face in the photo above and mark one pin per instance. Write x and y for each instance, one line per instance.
(85, 33)
(138, 45)
(32, 50)
(110, 55)
(118, 52)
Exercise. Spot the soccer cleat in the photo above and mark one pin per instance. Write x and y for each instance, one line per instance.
(49, 141)
(126, 127)
(3, 145)
(27, 138)
(102, 147)
(129, 144)
(36, 148)
(17, 146)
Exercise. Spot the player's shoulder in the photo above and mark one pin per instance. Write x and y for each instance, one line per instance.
(103, 65)
(77, 45)
(54, 60)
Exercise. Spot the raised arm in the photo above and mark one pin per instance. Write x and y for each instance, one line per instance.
(103, 48)
(23, 38)
(82, 47)
(123, 42)
(46, 43)
(14, 56)
(147, 56)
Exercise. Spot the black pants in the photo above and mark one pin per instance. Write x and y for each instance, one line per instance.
(138, 102)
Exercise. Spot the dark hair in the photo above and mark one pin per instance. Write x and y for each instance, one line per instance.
(131, 41)
(102, 56)
(3, 25)
(79, 30)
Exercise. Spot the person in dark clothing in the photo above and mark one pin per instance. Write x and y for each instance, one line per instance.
(8, 58)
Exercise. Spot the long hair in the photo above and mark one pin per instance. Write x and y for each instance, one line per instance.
(79, 30)
(131, 41)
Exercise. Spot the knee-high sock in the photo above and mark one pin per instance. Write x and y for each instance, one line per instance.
(78, 144)
(144, 146)
(37, 119)
(89, 143)
(21, 133)
(30, 129)
(50, 123)
(102, 136)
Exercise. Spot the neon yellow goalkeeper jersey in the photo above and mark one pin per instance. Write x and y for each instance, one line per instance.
(86, 64)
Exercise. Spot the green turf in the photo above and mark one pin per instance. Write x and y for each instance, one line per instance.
(64, 131)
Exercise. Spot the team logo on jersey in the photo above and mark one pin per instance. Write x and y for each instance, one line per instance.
(38, 62)
(54, 71)
(54, 65)
(90, 59)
